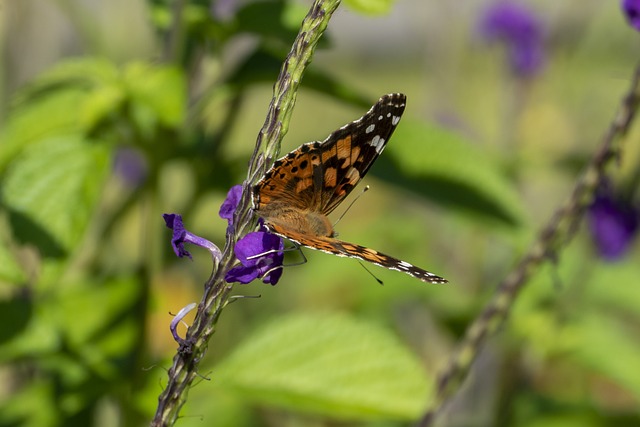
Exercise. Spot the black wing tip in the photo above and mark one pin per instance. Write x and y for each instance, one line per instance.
(436, 280)
(393, 98)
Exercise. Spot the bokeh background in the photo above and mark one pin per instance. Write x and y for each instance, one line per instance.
(113, 113)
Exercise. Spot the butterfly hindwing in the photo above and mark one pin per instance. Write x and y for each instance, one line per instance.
(338, 247)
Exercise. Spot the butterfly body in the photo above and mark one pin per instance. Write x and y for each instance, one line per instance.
(297, 194)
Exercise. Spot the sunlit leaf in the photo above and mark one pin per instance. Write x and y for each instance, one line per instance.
(329, 364)
(51, 190)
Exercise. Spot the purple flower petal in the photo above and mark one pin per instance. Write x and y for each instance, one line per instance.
(241, 274)
(230, 204)
(631, 9)
(182, 236)
(267, 266)
(614, 225)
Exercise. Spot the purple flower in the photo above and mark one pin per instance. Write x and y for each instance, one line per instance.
(520, 30)
(131, 165)
(230, 204)
(631, 9)
(260, 253)
(613, 222)
(182, 236)
(257, 259)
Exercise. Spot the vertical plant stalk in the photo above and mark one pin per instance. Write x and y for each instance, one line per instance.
(554, 236)
(217, 291)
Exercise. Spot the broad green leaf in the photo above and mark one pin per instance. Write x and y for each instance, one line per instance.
(328, 364)
(81, 73)
(441, 166)
(53, 114)
(370, 7)
(99, 104)
(51, 190)
(160, 89)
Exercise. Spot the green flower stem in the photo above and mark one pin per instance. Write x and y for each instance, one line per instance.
(557, 234)
(217, 291)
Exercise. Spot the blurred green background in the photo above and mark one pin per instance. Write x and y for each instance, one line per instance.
(113, 113)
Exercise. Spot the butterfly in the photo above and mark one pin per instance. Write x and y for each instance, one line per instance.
(295, 196)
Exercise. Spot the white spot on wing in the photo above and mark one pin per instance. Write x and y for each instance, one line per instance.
(405, 264)
(378, 143)
(380, 117)
(370, 128)
(395, 120)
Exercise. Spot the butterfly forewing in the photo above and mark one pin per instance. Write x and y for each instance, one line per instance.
(351, 150)
(319, 175)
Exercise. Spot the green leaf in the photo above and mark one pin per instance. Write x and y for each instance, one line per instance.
(441, 166)
(159, 89)
(370, 7)
(252, 17)
(53, 114)
(51, 189)
(328, 364)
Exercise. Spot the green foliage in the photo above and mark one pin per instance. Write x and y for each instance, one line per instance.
(87, 275)
(331, 365)
(440, 165)
(51, 189)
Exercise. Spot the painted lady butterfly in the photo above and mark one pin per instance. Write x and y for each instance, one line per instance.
(302, 188)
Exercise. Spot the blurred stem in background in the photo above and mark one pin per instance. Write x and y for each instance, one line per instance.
(552, 239)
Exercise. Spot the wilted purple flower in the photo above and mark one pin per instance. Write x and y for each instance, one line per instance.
(258, 261)
(230, 205)
(631, 9)
(614, 224)
(182, 236)
(520, 30)
(185, 346)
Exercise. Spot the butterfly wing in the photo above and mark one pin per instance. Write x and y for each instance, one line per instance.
(319, 175)
(344, 249)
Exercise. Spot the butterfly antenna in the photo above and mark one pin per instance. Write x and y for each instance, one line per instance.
(364, 190)
(380, 282)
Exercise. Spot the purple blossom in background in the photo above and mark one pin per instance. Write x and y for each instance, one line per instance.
(631, 9)
(268, 267)
(520, 30)
(613, 223)
(182, 236)
(131, 164)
